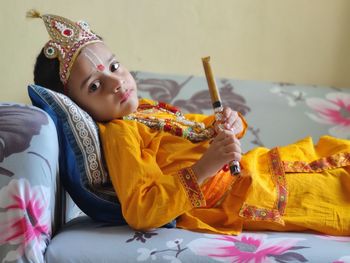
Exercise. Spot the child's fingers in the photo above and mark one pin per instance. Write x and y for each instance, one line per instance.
(230, 118)
(237, 127)
(233, 146)
(221, 135)
(230, 145)
(232, 153)
(236, 157)
(224, 135)
(234, 123)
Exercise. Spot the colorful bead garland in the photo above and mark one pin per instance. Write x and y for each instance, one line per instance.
(179, 126)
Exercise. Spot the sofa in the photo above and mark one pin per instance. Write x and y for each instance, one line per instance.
(52, 210)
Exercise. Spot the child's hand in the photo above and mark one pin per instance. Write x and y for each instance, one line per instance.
(224, 148)
(230, 121)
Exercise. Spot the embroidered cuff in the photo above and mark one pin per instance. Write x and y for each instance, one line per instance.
(189, 181)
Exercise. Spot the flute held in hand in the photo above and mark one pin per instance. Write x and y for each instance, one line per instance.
(217, 106)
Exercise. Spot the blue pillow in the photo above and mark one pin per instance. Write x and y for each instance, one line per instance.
(82, 170)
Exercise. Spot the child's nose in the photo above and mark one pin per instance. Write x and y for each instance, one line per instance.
(115, 83)
(118, 87)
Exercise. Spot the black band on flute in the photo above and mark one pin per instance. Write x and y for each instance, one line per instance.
(217, 104)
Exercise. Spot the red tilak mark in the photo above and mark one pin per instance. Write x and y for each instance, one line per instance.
(100, 67)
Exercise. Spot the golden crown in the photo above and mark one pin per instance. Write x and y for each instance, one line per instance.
(67, 39)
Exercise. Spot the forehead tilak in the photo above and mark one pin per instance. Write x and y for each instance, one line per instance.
(95, 60)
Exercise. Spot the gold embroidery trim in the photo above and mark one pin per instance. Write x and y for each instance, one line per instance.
(278, 176)
(259, 214)
(331, 162)
(189, 181)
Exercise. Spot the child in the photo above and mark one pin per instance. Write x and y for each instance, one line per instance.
(165, 165)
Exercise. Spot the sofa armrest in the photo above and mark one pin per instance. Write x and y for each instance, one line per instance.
(30, 201)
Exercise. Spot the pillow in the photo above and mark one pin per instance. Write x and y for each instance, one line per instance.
(82, 170)
(27, 182)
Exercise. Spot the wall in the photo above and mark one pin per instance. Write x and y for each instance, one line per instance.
(305, 42)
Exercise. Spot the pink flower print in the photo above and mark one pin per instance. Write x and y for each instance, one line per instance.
(25, 220)
(345, 259)
(247, 248)
(334, 111)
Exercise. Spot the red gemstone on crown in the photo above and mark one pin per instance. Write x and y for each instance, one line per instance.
(67, 32)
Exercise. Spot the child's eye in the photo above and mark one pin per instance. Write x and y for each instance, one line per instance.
(94, 86)
(114, 66)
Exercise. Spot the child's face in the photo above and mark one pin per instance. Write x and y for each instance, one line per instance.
(100, 85)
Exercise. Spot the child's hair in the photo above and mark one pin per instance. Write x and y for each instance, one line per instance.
(46, 73)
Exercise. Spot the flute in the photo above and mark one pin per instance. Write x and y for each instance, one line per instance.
(217, 106)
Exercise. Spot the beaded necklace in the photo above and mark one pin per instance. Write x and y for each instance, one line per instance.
(177, 124)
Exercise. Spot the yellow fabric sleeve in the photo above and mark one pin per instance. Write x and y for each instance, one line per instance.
(149, 197)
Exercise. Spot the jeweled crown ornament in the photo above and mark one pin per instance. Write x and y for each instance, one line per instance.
(67, 39)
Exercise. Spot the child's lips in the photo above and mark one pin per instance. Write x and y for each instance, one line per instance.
(125, 96)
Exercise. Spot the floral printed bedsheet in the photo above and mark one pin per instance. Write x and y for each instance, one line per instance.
(103, 243)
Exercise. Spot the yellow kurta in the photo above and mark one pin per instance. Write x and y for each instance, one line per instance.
(274, 192)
